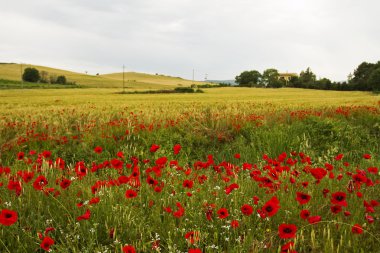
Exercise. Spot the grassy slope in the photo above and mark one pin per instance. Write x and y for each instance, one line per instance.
(133, 80)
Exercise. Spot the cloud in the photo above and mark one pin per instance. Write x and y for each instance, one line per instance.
(218, 37)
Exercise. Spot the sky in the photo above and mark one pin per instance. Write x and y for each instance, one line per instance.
(220, 38)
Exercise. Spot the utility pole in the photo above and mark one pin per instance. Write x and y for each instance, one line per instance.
(123, 79)
(22, 81)
(193, 76)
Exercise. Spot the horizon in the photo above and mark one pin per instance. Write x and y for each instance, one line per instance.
(173, 38)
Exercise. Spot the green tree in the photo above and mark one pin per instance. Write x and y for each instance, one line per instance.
(307, 79)
(31, 75)
(61, 80)
(270, 78)
(374, 80)
(248, 78)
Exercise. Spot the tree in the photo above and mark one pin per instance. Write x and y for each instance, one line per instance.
(270, 78)
(248, 78)
(44, 76)
(307, 79)
(31, 75)
(61, 80)
(374, 80)
(324, 84)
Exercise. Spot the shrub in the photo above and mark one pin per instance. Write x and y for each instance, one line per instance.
(31, 75)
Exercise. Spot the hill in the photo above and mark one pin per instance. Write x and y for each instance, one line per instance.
(12, 71)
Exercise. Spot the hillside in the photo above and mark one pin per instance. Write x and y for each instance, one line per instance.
(10, 71)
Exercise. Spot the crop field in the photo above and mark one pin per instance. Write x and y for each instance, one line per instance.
(228, 170)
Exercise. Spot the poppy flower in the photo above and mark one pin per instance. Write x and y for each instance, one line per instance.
(304, 214)
(129, 194)
(303, 198)
(40, 182)
(46, 243)
(247, 209)
(98, 150)
(20, 155)
(338, 157)
(287, 231)
(154, 148)
(65, 183)
(336, 209)
(192, 236)
(234, 224)
(357, 229)
(314, 219)
(176, 149)
(128, 249)
(318, 173)
(222, 213)
(237, 156)
(8, 217)
(367, 156)
(195, 251)
(85, 216)
(271, 207)
(339, 198)
(188, 184)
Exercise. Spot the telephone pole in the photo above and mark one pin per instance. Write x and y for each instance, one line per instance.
(123, 78)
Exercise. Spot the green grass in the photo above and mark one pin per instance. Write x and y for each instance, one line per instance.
(133, 80)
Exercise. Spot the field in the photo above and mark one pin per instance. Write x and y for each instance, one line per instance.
(228, 170)
(133, 80)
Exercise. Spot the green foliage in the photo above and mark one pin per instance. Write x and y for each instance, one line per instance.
(61, 80)
(270, 79)
(249, 78)
(31, 75)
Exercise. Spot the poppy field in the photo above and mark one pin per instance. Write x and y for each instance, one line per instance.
(228, 170)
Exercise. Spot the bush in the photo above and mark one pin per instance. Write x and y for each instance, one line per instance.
(31, 75)
(61, 80)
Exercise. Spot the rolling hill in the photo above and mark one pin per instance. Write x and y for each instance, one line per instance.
(134, 80)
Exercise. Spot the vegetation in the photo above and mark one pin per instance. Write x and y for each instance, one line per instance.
(366, 77)
(229, 170)
(31, 75)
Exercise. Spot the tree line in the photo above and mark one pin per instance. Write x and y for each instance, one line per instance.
(366, 77)
(32, 75)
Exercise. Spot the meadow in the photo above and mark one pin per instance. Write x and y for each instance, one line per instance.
(228, 170)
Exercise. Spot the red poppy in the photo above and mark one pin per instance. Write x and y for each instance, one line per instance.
(357, 229)
(8, 217)
(271, 207)
(247, 209)
(154, 148)
(20, 155)
(129, 194)
(98, 150)
(222, 213)
(367, 156)
(237, 156)
(40, 182)
(234, 224)
(338, 157)
(314, 219)
(46, 243)
(192, 236)
(339, 198)
(195, 251)
(188, 184)
(336, 209)
(287, 231)
(176, 149)
(85, 216)
(288, 248)
(94, 201)
(128, 249)
(304, 214)
(318, 173)
(303, 198)
(65, 183)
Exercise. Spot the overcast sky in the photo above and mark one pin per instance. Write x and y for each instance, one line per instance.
(218, 37)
